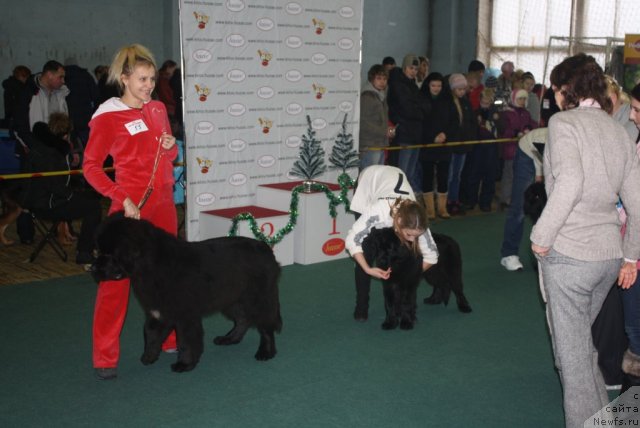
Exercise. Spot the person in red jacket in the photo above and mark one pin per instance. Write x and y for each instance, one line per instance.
(134, 130)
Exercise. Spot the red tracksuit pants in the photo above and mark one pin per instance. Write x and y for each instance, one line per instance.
(113, 296)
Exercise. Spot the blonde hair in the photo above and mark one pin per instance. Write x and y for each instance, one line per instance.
(613, 86)
(125, 61)
(408, 214)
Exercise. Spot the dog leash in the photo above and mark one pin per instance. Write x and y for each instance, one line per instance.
(149, 190)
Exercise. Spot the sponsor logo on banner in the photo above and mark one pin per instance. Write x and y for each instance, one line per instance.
(203, 92)
(204, 164)
(345, 43)
(266, 92)
(237, 145)
(202, 55)
(266, 161)
(319, 90)
(345, 75)
(266, 124)
(237, 179)
(201, 19)
(204, 199)
(236, 109)
(265, 57)
(293, 8)
(319, 25)
(345, 106)
(318, 123)
(346, 12)
(204, 127)
(294, 109)
(293, 75)
(293, 141)
(333, 247)
(235, 5)
(294, 42)
(236, 75)
(318, 58)
(265, 24)
(235, 40)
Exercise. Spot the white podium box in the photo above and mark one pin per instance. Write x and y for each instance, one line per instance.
(216, 223)
(318, 237)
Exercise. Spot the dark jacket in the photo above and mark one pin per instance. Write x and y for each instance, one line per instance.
(406, 108)
(82, 101)
(12, 89)
(46, 153)
(465, 129)
(435, 122)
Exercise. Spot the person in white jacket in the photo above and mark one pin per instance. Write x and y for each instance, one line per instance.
(383, 198)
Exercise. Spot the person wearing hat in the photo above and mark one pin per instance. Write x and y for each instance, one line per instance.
(406, 111)
(462, 127)
(516, 122)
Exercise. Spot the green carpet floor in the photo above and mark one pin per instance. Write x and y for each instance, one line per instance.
(490, 368)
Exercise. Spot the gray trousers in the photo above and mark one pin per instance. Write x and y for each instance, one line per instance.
(575, 292)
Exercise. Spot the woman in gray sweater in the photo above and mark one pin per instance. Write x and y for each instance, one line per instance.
(589, 163)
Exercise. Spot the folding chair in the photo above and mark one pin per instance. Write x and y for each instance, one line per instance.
(49, 236)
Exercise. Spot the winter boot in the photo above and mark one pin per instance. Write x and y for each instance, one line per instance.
(442, 206)
(631, 369)
(430, 205)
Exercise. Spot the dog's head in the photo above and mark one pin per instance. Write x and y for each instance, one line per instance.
(385, 249)
(535, 198)
(119, 243)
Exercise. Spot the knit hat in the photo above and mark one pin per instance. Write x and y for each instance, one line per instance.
(410, 60)
(518, 93)
(457, 81)
(491, 82)
(476, 65)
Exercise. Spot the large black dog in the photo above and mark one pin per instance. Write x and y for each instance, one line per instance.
(178, 282)
(383, 248)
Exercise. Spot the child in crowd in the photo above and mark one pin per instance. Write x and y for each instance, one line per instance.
(383, 198)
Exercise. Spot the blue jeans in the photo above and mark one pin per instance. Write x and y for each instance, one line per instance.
(524, 173)
(371, 157)
(631, 304)
(407, 162)
(455, 169)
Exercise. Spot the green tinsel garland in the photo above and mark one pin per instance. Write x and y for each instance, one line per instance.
(345, 183)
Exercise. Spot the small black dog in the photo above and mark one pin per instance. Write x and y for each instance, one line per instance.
(383, 249)
(535, 198)
(178, 282)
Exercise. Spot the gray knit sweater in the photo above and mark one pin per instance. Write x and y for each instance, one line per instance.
(589, 162)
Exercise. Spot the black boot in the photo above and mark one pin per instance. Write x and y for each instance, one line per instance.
(631, 369)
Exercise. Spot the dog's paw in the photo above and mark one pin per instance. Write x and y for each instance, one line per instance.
(147, 359)
(180, 367)
(224, 340)
(463, 305)
(264, 355)
(406, 325)
(389, 324)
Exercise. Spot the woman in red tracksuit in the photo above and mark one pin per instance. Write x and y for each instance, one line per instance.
(135, 131)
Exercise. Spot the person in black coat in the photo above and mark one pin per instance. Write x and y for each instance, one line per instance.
(435, 129)
(82, 101)
(13, 86)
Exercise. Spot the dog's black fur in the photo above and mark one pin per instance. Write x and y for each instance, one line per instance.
(178, 282)
(383, 248)
(535, 198)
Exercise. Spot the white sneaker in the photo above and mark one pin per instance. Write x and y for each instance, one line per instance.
(511, 263)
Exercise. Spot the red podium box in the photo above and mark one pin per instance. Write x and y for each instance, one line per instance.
(216, 223)
(318, 237)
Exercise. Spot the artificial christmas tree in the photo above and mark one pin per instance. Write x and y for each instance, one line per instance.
(311, 163)
(343, 156)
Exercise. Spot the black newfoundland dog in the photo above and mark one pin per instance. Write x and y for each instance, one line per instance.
(383, 248)
(178, 282)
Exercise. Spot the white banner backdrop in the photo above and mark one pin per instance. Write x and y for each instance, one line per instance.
(253, 71)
